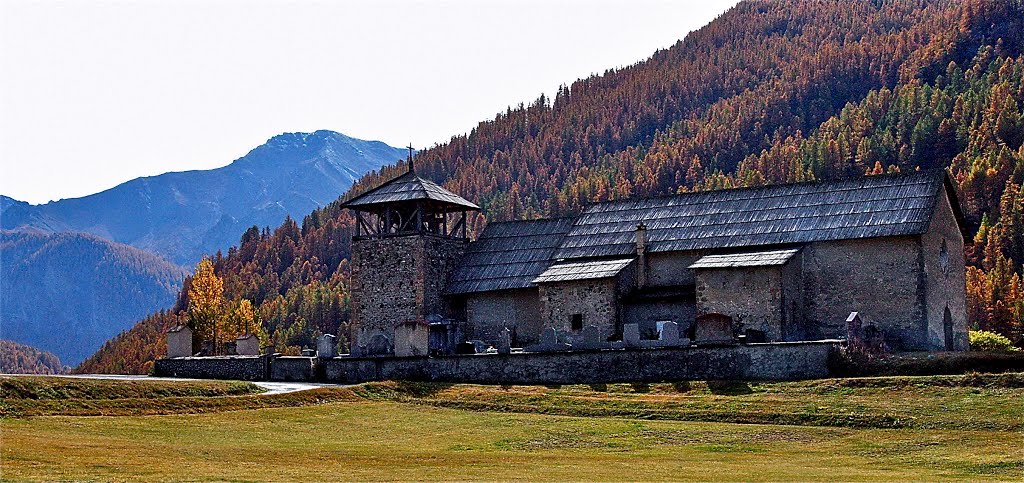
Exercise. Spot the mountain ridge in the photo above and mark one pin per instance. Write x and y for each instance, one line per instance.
(182, 215)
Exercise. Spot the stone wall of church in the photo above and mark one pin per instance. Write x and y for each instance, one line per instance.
(881, 278)
(767, 299)
(399, 279)
(487, 313)
(752, 296)
(942, 250)
(595, 300)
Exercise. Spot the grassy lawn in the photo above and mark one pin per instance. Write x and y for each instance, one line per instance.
(961, 429)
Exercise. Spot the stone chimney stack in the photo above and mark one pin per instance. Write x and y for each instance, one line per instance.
(641, 255)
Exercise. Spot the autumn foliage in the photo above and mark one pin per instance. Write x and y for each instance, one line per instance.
(769, 92)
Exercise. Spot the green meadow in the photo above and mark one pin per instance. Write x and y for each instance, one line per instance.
(869, 429)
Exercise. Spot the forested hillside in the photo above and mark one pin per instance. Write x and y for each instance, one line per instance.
(769, 92)
(47, 304)
(18, 358)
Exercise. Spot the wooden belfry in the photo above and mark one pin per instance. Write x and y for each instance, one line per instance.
(410, 205)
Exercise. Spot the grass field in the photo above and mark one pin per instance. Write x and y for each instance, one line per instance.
(884, 429)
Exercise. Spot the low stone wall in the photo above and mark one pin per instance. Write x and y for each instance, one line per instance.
(293, 368)
(243, 368)
(776, 361)
(781, 361)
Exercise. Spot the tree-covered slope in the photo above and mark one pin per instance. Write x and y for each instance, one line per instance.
(18, 358)
(769, 92)
(67, 293)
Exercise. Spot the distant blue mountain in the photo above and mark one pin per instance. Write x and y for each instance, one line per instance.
(182, 216)
(76, 272)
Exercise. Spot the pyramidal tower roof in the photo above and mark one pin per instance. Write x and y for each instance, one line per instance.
(409, 187)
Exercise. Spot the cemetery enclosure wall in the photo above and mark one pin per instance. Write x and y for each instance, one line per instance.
(778, 361)
(241, 368)
(785, 361)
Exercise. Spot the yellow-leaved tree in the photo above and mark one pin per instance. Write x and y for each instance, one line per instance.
(244, 319)
(206, 304)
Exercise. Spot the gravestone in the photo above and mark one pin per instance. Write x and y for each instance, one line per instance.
(590, 338)
(670, 334)
(326, 346)
(247, 345)
(714, 329)
(854, 329)
(412, 339)
(549, 337)
(631, 335)
(378, 345)
(307, 352)
(548, 342)
(504, 341)
(179, 341)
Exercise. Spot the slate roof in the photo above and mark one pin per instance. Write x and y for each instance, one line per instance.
(508, 255)
(872, 206)
(746, 259)
(516, 254)
(408, 187)
(583, 270)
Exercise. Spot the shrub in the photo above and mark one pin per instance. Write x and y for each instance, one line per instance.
(985, 341)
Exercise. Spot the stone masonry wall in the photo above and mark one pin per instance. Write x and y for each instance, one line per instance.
(945, 278)
(241, 368)
(399, 279)
(670, 269)
(788, 361)
(752, 296)
(488, 313)
(880, 278)
(596, 300)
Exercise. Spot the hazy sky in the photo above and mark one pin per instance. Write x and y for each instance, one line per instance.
(94, 93)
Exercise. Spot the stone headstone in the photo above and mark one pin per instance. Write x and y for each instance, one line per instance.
(548, 342)
(504, 341)
(179, 342)
(714, 329)
(307, 352)
(247, 345)
(412, 339)
(549, 337)
(670, 334)
(854, 329)
(631, 335)
(378, 345)
(590, 338)
(326, 346)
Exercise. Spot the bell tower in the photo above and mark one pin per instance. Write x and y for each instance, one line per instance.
(410, 235)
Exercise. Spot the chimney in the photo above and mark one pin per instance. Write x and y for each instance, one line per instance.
(641, 255)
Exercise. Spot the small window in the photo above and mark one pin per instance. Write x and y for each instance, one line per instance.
(577, 321)
(944, 257)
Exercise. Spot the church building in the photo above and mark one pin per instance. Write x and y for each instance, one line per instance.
(776, 263)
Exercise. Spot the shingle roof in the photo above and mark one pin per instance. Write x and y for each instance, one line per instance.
(583, 270)
(746, 259)
(408, 187)
(872, 206)
(508, 255)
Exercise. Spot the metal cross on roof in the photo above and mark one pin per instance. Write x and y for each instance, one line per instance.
(411, 167)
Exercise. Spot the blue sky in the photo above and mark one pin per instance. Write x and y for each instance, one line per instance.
(95, 93)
